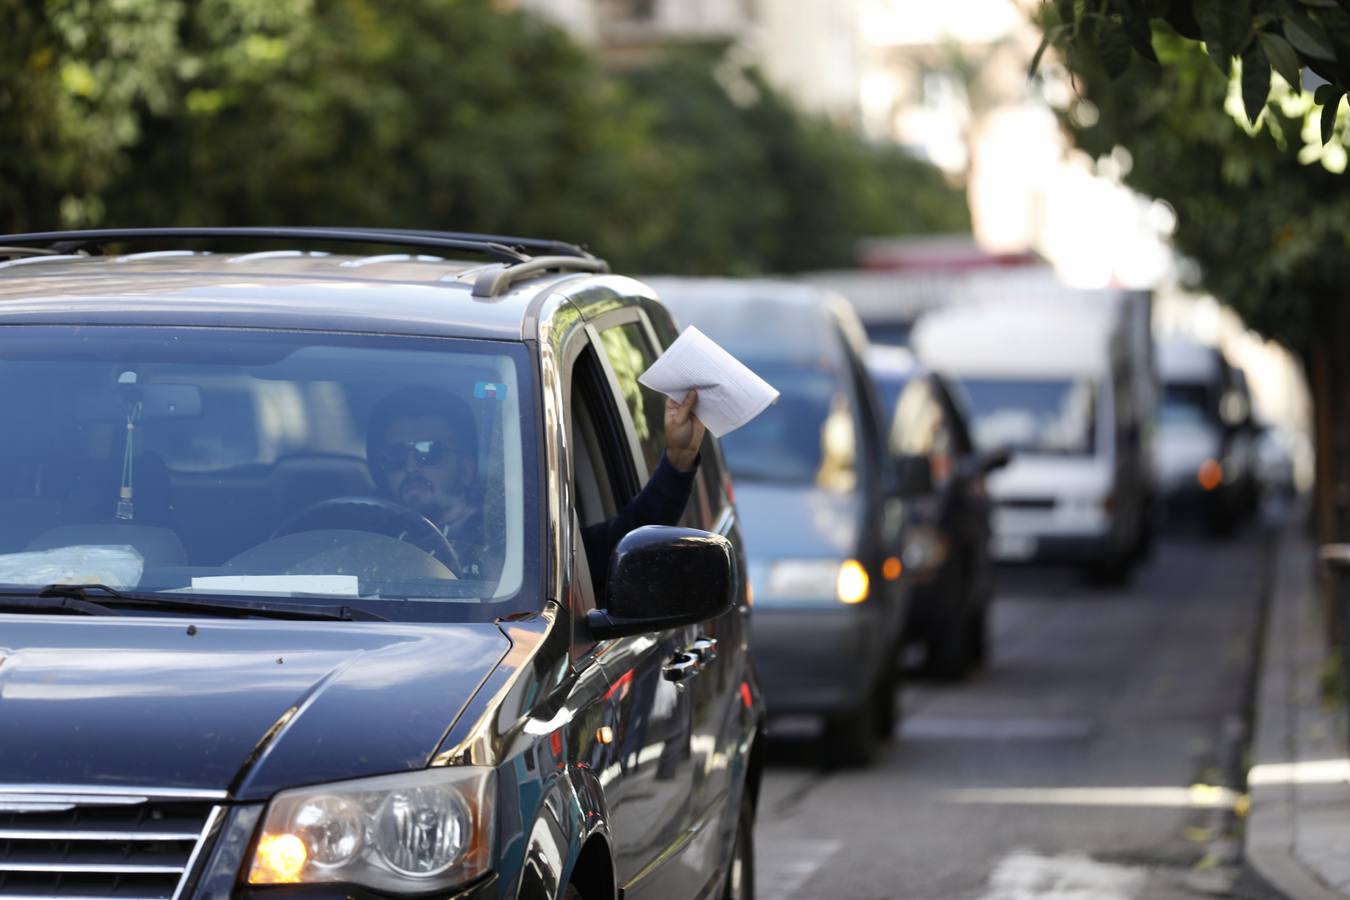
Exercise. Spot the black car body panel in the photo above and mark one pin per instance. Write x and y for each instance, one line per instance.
(253, 705)
(151, 707)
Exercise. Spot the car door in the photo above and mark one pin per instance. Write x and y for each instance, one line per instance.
(651, 799)
(630, 344)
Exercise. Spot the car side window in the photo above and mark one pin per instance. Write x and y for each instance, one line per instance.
(603, 477)
(921, 429)
(630, 353)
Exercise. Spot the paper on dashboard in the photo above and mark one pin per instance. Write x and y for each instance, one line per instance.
(729, 394)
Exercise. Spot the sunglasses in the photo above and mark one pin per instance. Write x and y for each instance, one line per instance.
(427, 454)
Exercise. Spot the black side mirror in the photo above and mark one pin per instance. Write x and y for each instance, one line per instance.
(663, 577)
(995, 459)
(913, 475)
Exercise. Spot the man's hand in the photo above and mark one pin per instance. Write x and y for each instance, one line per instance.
(684, 432)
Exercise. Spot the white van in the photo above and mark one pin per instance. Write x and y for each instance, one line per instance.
(1067, 383)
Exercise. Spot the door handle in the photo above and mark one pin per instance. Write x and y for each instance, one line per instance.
(705, 649)
(681, 667)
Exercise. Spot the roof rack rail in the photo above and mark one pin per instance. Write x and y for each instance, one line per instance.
(533, 245)
(510, 252)
(69, 241)
(497, 279)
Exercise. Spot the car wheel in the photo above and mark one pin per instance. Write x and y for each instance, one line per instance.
(887, 706)
(979, 635)
(740, 884)
(850, 739)
(950, 651)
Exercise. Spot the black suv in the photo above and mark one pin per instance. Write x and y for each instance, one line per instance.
(234, 664)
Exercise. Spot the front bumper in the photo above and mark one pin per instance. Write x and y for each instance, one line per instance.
(820, 659)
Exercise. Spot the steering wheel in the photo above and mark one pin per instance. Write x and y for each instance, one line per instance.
(378, 515)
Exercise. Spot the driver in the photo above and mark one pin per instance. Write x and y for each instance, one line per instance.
(422, 450)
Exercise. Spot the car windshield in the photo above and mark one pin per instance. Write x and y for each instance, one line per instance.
(392, 474)
(1185, 404)
(808, 437)
(1039, 416)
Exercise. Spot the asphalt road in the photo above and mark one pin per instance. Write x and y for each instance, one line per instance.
(1066, 769)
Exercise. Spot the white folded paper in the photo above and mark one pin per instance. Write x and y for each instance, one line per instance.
(729, 394)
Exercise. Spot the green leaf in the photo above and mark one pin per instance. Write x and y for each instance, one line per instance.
(1114, 46)
(1139, 32)
(1282, 57)
(1307, 36)
(1220, 58)
(1329, 111)
(1180, 15)
(1210, 15)
(1325, 93)
(1324, 4)
(1255, 82)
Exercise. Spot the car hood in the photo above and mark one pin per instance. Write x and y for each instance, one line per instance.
(781, 521)
(247, 706)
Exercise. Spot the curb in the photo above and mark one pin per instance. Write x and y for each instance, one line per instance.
(1286, 698)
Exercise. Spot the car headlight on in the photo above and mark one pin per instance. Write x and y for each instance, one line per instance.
(816, 579)
(407, 833)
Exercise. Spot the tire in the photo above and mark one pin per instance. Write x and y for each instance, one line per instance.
(740, 883)
(850, 739)
(887, 699)
(951, 652)
(979, 636)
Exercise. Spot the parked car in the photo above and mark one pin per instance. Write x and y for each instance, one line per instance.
(812, 484)
(231, 666)
(1207, 448)
(947, 510)
(1065, 383)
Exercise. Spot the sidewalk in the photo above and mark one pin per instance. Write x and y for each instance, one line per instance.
(1298, 827)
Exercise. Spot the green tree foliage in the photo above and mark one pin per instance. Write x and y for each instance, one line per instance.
(1283, 36)
(429, 113)
(772, 189)
(1269, 232)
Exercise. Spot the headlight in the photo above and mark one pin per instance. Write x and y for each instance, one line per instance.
(409, 833)
(816, 579)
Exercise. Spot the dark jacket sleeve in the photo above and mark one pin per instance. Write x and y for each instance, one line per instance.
(661, 502)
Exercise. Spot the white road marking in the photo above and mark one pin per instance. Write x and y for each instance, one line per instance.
(1197, 796)
(782, 867)
(997, 728)
(1028, 876)
(1319, 771)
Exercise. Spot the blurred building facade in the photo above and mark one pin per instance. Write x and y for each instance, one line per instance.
(812, 50)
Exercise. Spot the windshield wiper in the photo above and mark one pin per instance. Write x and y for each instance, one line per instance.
(76, 598)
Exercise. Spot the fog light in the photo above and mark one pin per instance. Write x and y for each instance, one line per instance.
(280, 859)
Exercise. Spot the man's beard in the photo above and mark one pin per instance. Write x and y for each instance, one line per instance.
(416, 492)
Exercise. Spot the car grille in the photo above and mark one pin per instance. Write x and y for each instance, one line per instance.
(77, 843)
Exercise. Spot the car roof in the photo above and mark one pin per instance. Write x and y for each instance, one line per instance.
(1183, 359)
(389, 293)
(1051, 337)
(890, 362)
(785, 316)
